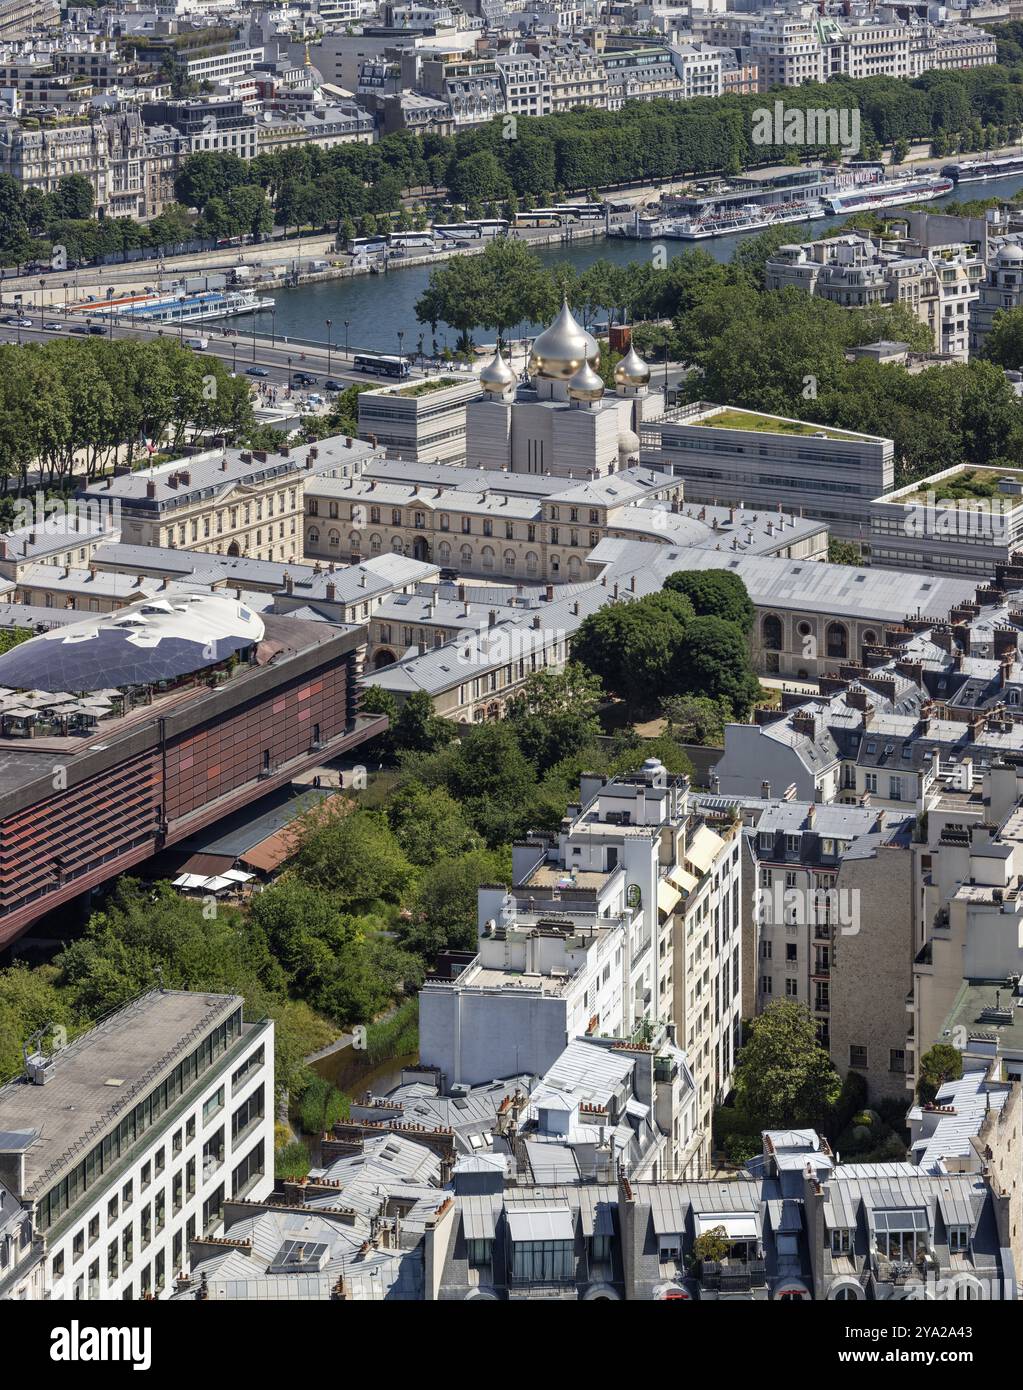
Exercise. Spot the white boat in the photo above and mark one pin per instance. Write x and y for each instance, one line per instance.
(188, 308)
(742, 220)
(888, 193)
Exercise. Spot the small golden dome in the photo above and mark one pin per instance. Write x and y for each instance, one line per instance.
(497, 376)
(586, 385)
(632, 370)
(559, 351)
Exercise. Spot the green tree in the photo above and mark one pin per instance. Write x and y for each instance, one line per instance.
(445, 907)
(632, 646)
(784, 1079)
(941, 1063)
(713, 659)
(429, 824)
(696, 718)
(354, 856)
(556, 714)
(717, 593)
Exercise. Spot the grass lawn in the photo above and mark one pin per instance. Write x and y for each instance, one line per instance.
(974, 484)
(765, 424)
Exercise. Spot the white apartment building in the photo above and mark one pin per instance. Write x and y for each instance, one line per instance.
(625, 924)
(124, 1145)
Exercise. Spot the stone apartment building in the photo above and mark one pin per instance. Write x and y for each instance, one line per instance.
(109, 151)
(940, 285)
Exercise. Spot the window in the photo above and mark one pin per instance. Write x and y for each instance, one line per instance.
(791, 987)
(146, 1176)
(791, 951)
(541, 1261)
(857, 1055)
(126, 1194)
(248, 1113)
(255, 1061)
(478, 1252)
(897, 1061)
(249, 1171)
(213, 1153)
(213, 1105)
(78, 1245)
(841, 1240)
(958, 1240)
(94, 1230)
(212, 1209)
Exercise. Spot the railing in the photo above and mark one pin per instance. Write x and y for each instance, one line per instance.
(733, 1276)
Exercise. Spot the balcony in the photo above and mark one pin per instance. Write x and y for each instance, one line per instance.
(733, 1276)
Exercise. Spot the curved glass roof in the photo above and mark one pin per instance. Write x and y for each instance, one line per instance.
(158, 640)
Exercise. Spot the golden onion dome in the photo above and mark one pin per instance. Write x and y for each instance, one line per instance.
(632, 370)
(559, 351)
(497, 376)
(585, 385)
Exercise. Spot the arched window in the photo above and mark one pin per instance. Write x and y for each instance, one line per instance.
(335, 539)
(837, 638)
(314, 537)
(509, 561)
(532, 563)
(772, 634)
(870, 638)
(354, 537)
(574, 567)
(466, 555)
(487, 557)
(375, 543)
(397, 546)
(444, 553)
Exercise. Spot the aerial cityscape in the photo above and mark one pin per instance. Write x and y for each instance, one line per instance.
(511, 659)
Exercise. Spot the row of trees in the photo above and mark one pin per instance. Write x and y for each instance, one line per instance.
(80, 404)
(588, 148)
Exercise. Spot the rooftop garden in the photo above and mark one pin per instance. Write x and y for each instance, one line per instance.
(971, 485)
(423, 388)
(766, 424)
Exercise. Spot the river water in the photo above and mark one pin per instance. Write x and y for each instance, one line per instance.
(377, 307)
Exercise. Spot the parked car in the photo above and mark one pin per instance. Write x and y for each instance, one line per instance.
(303, 379)
(331, 385)
(79, 328)
(97, 329)
(256, 371)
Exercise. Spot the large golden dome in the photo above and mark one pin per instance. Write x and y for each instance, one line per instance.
(562, 349)
(632, 370)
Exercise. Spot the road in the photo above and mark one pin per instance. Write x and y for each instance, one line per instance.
(239, 351)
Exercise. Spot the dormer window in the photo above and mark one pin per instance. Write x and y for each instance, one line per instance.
(958, 1240)
(841, 1240)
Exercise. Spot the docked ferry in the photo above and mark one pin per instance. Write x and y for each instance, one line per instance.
(977, 170)
(747, 218)
(888, 193)
(171, 308)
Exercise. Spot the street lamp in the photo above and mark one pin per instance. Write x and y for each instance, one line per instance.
(66, 308)
(328, 322)
(273, 327)
(253, 337)
(401, 359)
(289, 376)
(346, 337)
(234, 358)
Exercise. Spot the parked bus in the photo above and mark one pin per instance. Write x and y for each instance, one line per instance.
(586, 212)
(367, 245)
(473, 231)
(380, 364)
(406, 240)
(541, 217)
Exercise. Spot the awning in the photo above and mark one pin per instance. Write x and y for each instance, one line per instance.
(667, 897)
(703, 849)
(237, 875)
(540, 1223)
(682, 879)
(736, 1225)
(271, 853)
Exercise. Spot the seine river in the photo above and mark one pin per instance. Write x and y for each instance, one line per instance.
(378, 306)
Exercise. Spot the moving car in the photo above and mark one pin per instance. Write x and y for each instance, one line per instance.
(304, 379)
(52, 326)
(256, 371)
